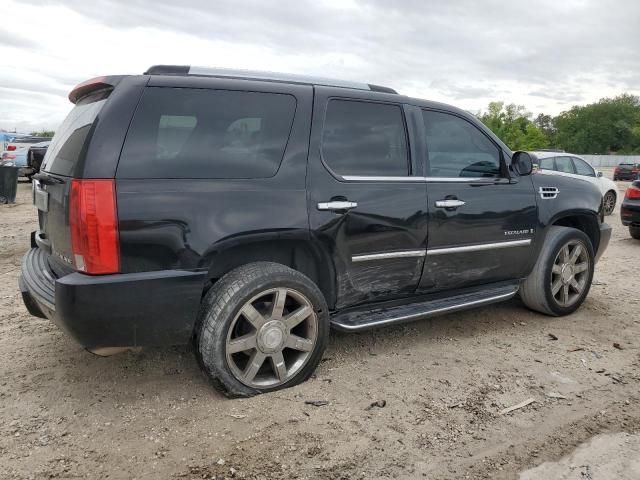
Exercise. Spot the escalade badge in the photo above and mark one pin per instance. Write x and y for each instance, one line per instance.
(526, 231)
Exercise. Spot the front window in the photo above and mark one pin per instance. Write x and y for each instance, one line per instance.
(583, 168)
(365, 139)
(457, 148)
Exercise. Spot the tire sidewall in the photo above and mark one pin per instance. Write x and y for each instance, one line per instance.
(558, 243)
(214, 358)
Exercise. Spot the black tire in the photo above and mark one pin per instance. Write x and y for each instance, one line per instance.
(536, 291)
(635, 232)
(609, 202)
(222, 306)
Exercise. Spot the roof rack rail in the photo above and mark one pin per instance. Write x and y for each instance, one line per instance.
(260, 75)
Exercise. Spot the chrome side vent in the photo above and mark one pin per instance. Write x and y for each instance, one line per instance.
(548, 193)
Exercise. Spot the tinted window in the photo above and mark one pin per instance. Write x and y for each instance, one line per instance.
(563, 164)
(547, 164)
(69, 141)
(583, 168)
(458, 149)
(197, 133)
(368, 139)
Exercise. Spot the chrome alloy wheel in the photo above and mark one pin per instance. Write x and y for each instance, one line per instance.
(570, 273)
(609, 203)
(271, 338)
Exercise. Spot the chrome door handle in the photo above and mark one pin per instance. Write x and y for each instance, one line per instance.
(450, 203)
(337, 205)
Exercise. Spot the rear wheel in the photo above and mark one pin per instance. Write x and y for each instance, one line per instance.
(562, 275)
(609, 201)
(635, 232)
(262, 327)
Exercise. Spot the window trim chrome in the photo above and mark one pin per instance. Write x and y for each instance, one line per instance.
(364, 178)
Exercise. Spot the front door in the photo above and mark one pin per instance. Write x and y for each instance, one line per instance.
(482, 223)
(366, 197)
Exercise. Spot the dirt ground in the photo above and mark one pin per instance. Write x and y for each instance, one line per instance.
(65, 413)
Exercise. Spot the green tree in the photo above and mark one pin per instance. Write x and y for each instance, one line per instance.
(546, 124)
(43, 133)
(611, 125)
(512, 124)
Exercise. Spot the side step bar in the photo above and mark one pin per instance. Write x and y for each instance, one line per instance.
(357, 320)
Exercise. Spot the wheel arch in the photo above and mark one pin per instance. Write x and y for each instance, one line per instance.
(586, 222)
(295, 250)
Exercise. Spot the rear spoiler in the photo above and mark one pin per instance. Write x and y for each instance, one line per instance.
(93, 85)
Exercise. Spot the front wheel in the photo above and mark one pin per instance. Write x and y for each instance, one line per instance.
(562, 276)
(609, 201)
(262, 327)
(635, 232)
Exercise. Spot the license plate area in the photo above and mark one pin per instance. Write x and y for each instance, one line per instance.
(40, 197)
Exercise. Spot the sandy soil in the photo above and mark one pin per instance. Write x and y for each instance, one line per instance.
(65, 413)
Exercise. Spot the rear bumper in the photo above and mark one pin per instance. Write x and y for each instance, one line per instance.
(122, 310)
(627, 176)
(630, 213)
(605, 237)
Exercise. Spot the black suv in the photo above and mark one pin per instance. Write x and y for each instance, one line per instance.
(249, 212)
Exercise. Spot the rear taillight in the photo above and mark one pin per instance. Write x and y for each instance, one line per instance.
(632, 193)
(11, 148)
(93, 219)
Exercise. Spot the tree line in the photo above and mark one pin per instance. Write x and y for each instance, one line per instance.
(608, 126)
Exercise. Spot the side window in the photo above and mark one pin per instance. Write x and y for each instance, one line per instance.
(563, 164)
(173, 132)
(365, 139)
(583, 168)
(200, 133)
(457, 148)
(547, 164)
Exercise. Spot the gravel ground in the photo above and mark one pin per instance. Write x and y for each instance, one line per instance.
(65, 413)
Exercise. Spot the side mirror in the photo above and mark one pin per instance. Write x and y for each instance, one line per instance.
(522, 163)
(599, 174)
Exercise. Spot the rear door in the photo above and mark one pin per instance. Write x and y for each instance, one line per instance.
(366, 196)
(481, 222)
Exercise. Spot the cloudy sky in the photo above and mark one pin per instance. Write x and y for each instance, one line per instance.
(545, 54)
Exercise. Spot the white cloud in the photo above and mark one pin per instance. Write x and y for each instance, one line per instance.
(545, 54)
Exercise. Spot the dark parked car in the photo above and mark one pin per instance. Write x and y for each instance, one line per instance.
(626, 171)
(630, 209)
(35, 156)
(249, 212)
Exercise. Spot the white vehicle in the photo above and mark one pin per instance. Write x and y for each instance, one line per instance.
(570, 165)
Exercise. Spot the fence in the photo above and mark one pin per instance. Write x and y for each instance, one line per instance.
(610, 160)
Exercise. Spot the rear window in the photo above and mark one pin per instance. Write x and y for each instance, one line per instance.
(68, 144)
(365, 139)
(198, 133)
